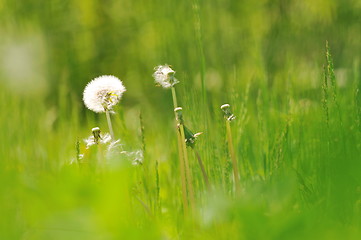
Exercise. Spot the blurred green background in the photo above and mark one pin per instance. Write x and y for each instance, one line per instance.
(264, 57)
(57, 43)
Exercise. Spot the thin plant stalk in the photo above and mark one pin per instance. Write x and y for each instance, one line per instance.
(174, 96)
(77, 147)
(101, 161)
(109, 124)
(198, 31)
(204, 173)
(187, 169)
(146, 207)
(183, 174)
(158, 204)
(233, 156)
(181, 158)
(146, 170)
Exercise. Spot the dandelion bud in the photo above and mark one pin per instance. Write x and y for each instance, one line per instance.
(228, 115)
(164, 76)
(179, 114)
(102, 93)
(190, 137)
(225, 106)
(96, 134)
(97, 138)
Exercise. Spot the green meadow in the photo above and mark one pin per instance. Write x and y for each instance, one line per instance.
(290, 71)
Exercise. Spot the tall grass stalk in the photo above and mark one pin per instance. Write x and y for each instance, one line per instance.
(325, 95)
(145, 173)
(77, 148)
(198, 32)
(357, 96)
(331, 76)
(262, 133)
(157, 205)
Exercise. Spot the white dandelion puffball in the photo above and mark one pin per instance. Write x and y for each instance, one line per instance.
(102, 93)
(164, 76)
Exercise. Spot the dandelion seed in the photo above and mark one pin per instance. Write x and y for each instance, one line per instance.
(102, 93)
(136, 157)
(113, 145)
(164, 76)
(116, 156)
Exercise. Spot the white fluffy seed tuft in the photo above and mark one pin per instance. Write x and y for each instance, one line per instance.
(102, 93)
(164, 76)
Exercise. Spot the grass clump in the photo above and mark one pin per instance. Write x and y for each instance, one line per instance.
(287, 167)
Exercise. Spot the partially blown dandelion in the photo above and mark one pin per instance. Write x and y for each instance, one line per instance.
(102, 94)
(164, 76)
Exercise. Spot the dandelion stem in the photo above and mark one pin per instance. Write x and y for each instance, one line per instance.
(204, 173)
(174, 96)
(181, 158)
(233, 156)
(183, 175)
(109, 124)
(187, 169)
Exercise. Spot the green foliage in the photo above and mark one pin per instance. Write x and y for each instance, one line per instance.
(296, 135)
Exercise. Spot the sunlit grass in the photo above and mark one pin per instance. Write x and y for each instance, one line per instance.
(296, 138)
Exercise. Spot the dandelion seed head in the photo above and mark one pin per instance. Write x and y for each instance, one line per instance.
(102, 93)
(106, 138)
(164, 76)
